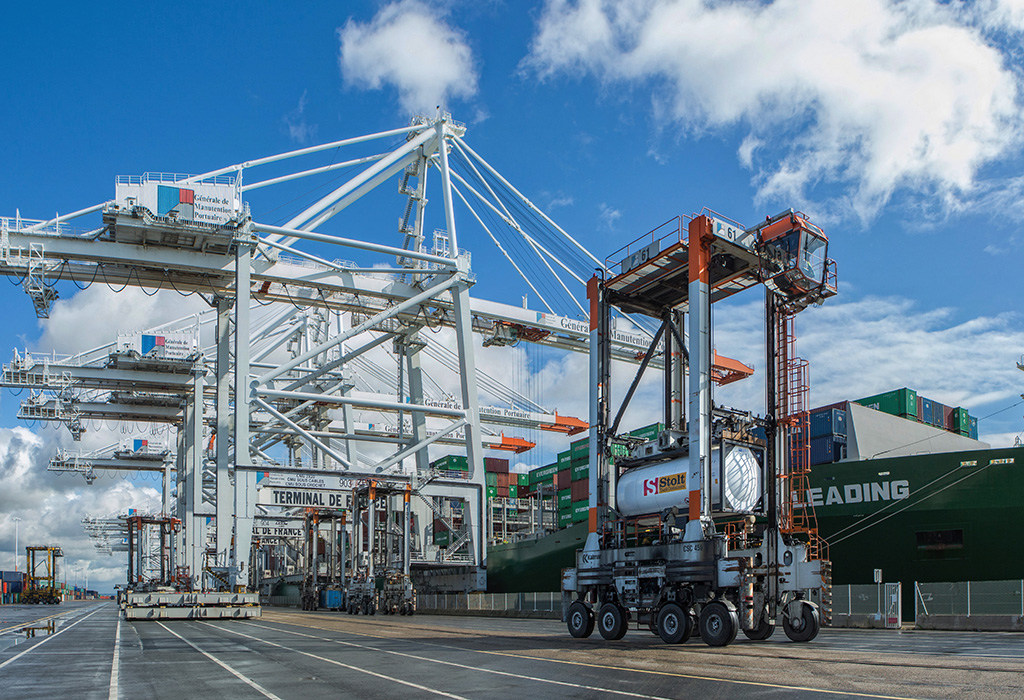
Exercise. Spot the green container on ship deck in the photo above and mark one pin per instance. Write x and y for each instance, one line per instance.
(545, 473)
(565, 498)
(524, 479)
(564, 459)
(900, 402)
(581, 472)
(580, 511)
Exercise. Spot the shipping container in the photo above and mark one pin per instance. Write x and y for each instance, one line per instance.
(565, 498)
(565, 519)
(524, 479)
(513, 491)
(545, 473)
(960, 421)
(648, 432)
(563, 479)
(581, 472)
(580, 490)
(827, 449)
(442, 537)
(925, 410)
(939, 412)
(828, 422)
(579, 448)
(452, 463)
(974, 428)
(491, 479)
(492, 491)
(503, 481)
(580, 511)
(496, 464)
(900, 402)
(564, 459)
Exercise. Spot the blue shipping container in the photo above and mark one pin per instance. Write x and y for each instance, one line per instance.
(827, 449)
(331, 599)
(927, 412)
(831, 421)
(974, 428)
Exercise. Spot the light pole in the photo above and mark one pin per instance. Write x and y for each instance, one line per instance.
(16, 520)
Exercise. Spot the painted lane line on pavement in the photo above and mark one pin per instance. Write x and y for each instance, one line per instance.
(520, 676)
(248, 681)
(115, 664)
(351, 668)
(671, 674)
(46, 639)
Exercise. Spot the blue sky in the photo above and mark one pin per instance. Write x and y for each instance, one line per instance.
(896, 126)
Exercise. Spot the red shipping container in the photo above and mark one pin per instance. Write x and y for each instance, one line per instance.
(563, 479)
(580, 490)
(495, 464)
(947, 418)
(503, 480)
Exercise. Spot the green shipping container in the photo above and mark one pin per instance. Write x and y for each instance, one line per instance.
(564, 459)
(580, 511)
(513, 491)
(648, 432)
(442, 537)
(565, 498)
(492, 491)
(524, 479)
(452, 463)
(581, 472)
(961, 422)
(580, 448)
(900, 402)
(565, 519)
(491, 478)
(545, 473)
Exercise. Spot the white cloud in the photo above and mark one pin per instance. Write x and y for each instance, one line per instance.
(862, 347)
(409, 45)
(94, 316)
(299, 130)
(51, 506)
(874, 95)
(608, 215)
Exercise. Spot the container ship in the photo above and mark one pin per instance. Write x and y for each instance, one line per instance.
(899, 482)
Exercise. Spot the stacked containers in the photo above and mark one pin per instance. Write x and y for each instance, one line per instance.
(579, 485)
(563, 482)
(974, 428)
(828, 435)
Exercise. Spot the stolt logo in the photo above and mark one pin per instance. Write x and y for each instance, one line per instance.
(650, 487)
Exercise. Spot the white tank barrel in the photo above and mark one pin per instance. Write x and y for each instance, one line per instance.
(658, 487)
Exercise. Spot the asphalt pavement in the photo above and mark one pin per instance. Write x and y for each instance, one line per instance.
(82, 650)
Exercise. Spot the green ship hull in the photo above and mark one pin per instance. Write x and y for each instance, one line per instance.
(936, 517)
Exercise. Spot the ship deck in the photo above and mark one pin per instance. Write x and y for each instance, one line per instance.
(291, 654)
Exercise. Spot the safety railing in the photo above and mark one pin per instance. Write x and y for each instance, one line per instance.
(541, 602)
(970, 598)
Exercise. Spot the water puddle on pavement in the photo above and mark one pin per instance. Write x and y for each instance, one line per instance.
(36, 630)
